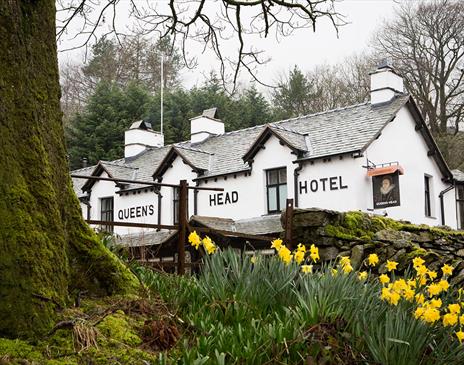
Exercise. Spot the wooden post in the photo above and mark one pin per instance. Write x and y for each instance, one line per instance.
(289, 223)
(183, 206)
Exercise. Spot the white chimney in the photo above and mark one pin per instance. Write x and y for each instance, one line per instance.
(205, 125)
(385, 84)
(140, 136)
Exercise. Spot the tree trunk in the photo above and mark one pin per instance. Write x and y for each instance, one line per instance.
(47, 252)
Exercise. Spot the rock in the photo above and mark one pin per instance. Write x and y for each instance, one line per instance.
(423, 237)
(357, 256)
(390, 235)
(402, 243)
(328, 253)
(457, 279)
(440, 242)
(460, 253)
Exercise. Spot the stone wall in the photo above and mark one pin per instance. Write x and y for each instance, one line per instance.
(358, 234)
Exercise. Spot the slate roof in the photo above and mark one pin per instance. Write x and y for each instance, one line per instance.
(333, 132)
(146, 238)
(253, 226)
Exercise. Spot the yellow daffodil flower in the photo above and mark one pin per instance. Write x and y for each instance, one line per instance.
(301, 247)
(419, 312)
(362, 275)
(434, 289)
(314, 253)
(454, 308)
(408, 294)
(345, 260)
(412, 283)
(391, 265)
(347, 268)
(432, 274)
(334, 272)
(435, 303)
(384, 279)
(253, 259)
(194, 239)
(447, 270)
(421, 270)
(431, 315)
(285, 255)
(277, 244)
(460, 335)
(307, 269)
(450, 319)
(417, 261)
(209, 246)
(299, 256)
(373, 259)
(444, 285)
(420, 298)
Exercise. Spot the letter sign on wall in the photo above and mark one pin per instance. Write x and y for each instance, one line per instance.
(223, 198)
(322, 184)
(386, 190)
(136, 212)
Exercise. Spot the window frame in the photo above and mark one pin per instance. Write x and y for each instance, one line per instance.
(277, 186)
(459, 207)
(104, 213)
(175, 205)
(428, 196)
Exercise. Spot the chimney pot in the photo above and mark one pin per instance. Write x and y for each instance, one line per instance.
(139, 137)
(385, 83)
(205, 125)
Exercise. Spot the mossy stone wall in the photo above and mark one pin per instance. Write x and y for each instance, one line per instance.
(358, 234)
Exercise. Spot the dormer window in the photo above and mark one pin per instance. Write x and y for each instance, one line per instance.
(276, 187)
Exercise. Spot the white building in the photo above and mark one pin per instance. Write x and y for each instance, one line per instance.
(376, 157)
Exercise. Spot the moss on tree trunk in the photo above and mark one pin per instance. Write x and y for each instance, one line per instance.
(47, 252)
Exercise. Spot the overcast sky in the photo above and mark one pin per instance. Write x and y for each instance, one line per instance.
(304, 48)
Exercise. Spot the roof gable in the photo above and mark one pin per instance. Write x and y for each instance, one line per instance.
(113, 170)
(293, 140)
(198, 160)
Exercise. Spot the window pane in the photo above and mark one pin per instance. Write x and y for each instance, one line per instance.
(272, 177)
(283, 196)
(272, 199)
(460, 189)
(283, 175)
(460, 215)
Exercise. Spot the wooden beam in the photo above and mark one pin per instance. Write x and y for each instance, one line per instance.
(127, 224)
(183, 223)
(289, 223)
(231, 233)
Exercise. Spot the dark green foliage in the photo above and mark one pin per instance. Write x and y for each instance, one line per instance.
(98, 133)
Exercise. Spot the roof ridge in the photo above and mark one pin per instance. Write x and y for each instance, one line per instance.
(111, 163)
(286, 129)
(194, 150)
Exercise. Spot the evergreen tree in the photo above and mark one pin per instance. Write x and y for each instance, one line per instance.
(98, 133)
(293, 96)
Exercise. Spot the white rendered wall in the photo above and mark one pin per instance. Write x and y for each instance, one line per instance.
(344, 180)
(400, 142)
(202, 127)
(136, 140)
(251, 190)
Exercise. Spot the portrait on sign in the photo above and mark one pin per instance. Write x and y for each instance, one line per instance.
(386, 190)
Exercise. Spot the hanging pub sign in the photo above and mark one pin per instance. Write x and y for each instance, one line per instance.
(386, 186)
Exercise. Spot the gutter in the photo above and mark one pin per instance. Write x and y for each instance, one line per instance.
(442, 203)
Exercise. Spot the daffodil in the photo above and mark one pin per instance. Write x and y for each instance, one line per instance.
(454, 308)
(434, 289)
(209, 246)
(460, 335)
(444, 285)
(408, 294)
(431, 315)
(362, 275)
(299, 256)
(435, 303)
(347, 268)
(277, 244)
(194, 239)
(447, 270)
(285, 255)
(373, 259)
(421, 270)
(432, 274)
(417, 261)
(419, 312)
(384, 279)
(307, 269)
(412, 283)
(391, 265)
(253, 259)
(400, 285)
(420, 298)
(314, 253)
(334, 272)
(450, 319)
(301, 247)
(345, 260)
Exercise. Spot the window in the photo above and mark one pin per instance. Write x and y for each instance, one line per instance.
(460, 205)
(175, 205)
(276, 186)
(428, 204)
(106, 213)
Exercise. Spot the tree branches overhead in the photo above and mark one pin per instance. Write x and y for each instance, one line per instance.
(197, 26)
